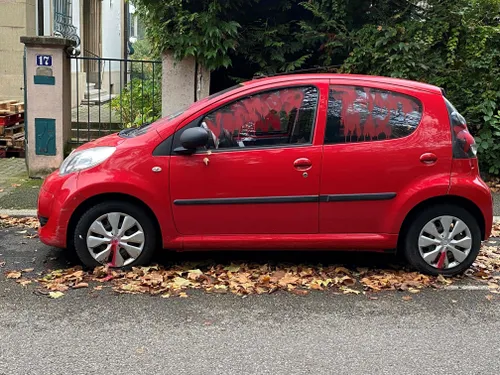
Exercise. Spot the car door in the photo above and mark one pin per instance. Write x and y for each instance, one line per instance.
(262, 176)
(375, 139)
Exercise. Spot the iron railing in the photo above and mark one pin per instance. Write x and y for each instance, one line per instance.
(121, 93)
(63, 20)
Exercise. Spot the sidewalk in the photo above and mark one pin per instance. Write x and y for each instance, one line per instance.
(17, 191)
(19, 194)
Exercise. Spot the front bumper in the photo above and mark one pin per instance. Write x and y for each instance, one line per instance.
(56, 203)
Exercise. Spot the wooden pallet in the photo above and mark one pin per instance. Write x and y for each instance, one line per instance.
(9, 131)
(15, 141)
(17, 107)
(14, 106)
(5, 104)
(8, 118)
(18, 140)
(6, 152)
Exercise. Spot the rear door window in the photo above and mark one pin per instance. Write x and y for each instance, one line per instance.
(365, 114)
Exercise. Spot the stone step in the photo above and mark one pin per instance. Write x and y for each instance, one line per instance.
(98, 100)
(89, 85)
(94, 93)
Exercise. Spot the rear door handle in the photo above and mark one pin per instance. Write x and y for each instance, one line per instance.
(302, 164)
(428, 158)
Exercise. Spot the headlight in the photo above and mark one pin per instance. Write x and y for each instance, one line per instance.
(84, 159)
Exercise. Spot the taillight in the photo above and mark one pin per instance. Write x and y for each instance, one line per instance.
(464, 145)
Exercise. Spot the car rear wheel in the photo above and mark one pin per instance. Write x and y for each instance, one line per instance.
(118, 234)
(442, 239)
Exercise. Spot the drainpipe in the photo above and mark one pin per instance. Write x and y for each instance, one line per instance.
(125, 39)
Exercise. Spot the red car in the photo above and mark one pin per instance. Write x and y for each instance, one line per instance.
(316, 161)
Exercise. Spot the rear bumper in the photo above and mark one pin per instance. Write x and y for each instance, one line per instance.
(475, 190)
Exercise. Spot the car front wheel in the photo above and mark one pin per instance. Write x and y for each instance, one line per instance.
(117, 234)
(442, 239)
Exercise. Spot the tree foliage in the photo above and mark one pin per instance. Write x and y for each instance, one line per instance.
(454, 44)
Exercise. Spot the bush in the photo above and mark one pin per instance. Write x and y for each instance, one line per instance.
(140, 100)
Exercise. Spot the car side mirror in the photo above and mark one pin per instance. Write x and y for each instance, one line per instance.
(192, 139)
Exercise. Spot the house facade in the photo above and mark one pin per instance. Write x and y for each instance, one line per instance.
(100, 28)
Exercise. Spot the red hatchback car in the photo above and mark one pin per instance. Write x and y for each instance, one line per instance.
(316, 161)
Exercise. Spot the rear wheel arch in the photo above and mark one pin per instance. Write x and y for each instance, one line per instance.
(97, 199)
(465, 203)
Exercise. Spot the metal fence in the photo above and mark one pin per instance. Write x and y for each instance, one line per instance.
(111, 94)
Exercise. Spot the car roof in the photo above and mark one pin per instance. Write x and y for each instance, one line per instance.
(349, 79)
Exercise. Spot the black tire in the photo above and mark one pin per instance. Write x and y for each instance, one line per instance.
(138, 213)
(417, 223)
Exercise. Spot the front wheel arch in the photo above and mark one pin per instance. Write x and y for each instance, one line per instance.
(447, 199)
(97, 199)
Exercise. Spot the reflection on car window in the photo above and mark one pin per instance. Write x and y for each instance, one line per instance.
(363, 114)
(278, 117)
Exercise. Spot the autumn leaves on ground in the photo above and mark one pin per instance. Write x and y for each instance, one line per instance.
(247, 278)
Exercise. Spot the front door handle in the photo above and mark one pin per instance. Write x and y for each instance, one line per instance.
(302, 164)
(428, 158)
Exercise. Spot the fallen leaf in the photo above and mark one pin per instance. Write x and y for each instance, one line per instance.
(2, 264)
(28, 270)
(183, 295)
(99, 287)
(194, 274)
(346, 290)
(16, 185)
(347, 280)
(23, 282)
(180, 282)
(444, 280)
(22, 232)
(140, 351)
(407, 298)
(55, 295)
(300, 292)
(288, 279)
(232, 268)
(493, 286)
(107, 278)
(489, 297)
(454, 301)
(81, 285)
(414, 290)
(14, 275)
(342, 270)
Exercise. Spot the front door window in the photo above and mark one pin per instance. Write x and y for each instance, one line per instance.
(272, 118)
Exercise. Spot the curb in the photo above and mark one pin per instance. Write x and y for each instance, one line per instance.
(18, 213)
(24, 213)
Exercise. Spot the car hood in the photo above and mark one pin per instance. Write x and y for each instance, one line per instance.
(111, 140)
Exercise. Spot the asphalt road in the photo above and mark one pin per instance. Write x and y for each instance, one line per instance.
(88, 332)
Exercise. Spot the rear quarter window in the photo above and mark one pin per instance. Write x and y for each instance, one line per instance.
(365, 114)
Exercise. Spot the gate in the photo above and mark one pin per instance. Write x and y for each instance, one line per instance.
(110, 94)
